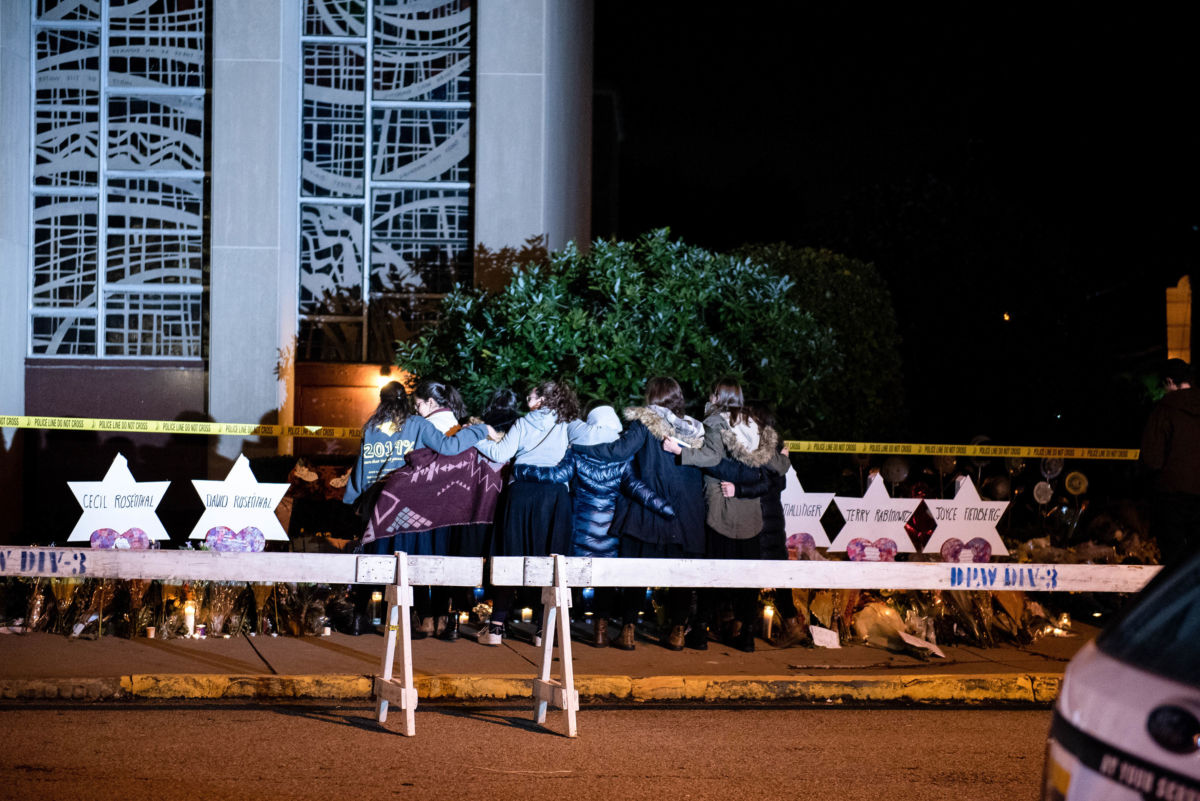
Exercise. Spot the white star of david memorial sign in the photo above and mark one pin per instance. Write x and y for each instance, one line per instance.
(875, 516)
(239, 502)
(119, 503)
(802, 511)
(965, 518)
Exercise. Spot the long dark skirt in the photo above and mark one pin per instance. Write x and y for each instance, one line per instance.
(472, 540)
(536, 520)
(415, 543)
(742, 600)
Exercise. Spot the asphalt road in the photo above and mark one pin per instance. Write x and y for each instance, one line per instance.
(221, 751)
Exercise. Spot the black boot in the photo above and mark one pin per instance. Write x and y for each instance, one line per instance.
(448, 630)
(696, 637)
(743, 640)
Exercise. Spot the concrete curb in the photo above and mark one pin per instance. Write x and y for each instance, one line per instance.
(907, 689)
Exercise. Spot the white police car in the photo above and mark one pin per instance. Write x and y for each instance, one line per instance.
(1127, 722)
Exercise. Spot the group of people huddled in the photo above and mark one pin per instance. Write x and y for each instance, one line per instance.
(663, 485)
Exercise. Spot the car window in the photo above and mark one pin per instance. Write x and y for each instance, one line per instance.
(1161, 631)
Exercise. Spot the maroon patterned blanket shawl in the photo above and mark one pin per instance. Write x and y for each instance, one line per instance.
(433, 491)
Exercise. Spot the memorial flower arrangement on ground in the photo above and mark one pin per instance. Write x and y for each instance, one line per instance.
(223, 597)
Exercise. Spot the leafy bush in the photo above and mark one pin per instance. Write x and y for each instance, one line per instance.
(865, 397)
(624, 311)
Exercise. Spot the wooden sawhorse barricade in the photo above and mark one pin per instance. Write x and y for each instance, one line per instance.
(557, 575)
(467, 572)
(400, 573)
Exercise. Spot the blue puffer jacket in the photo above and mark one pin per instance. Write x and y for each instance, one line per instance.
(596, 484)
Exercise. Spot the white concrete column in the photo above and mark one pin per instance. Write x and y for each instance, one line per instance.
(255, 162)
(15, 109)
(567, 188)
(533, 138)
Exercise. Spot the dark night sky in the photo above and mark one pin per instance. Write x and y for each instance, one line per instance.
(986, 158)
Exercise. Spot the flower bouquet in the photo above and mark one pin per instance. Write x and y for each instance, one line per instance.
(64, 590)
(262, 593)
(222, 598)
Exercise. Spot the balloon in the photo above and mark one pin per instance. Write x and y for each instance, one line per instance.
(1042, 492)
(998, 488)
(944, 463)
(895, 469)
(980, 462)
(1051, 468)
(1076, 483)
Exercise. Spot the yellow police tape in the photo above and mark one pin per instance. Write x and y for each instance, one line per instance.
(992, 451)
(177, 427)
(344, 432)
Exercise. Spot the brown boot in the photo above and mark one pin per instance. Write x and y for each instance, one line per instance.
(794, 631)
(625, 638)
(600, 632)
(675, 640)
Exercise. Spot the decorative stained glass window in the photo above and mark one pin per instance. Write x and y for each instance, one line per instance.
(118, 178)
(385, 174)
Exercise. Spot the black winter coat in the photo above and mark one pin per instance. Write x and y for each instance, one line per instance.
(597, 484)
(680, 486)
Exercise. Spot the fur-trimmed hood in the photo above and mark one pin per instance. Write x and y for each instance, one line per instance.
(686, 429)
(746, 442)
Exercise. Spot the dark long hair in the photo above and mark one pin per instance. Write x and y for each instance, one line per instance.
(503, 409)
(393, 407)
(727, 397)
(558, 397)
(665, 392)
(444, 395)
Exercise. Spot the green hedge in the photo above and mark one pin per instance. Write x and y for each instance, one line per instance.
(609, 318)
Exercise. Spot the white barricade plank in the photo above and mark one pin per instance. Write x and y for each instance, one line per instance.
(454, 571)
(587, 572)
(178, 565)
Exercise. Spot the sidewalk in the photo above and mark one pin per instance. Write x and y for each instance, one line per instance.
(46, 666)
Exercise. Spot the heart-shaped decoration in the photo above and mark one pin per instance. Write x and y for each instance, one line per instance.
(111, 539)
(225, 539)
(980, 548)
(104, 537)
(887, 549)
(801, 546)
(218, 537)
(255, 541)
(883, 549)
(133, 539)
(977, 550)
